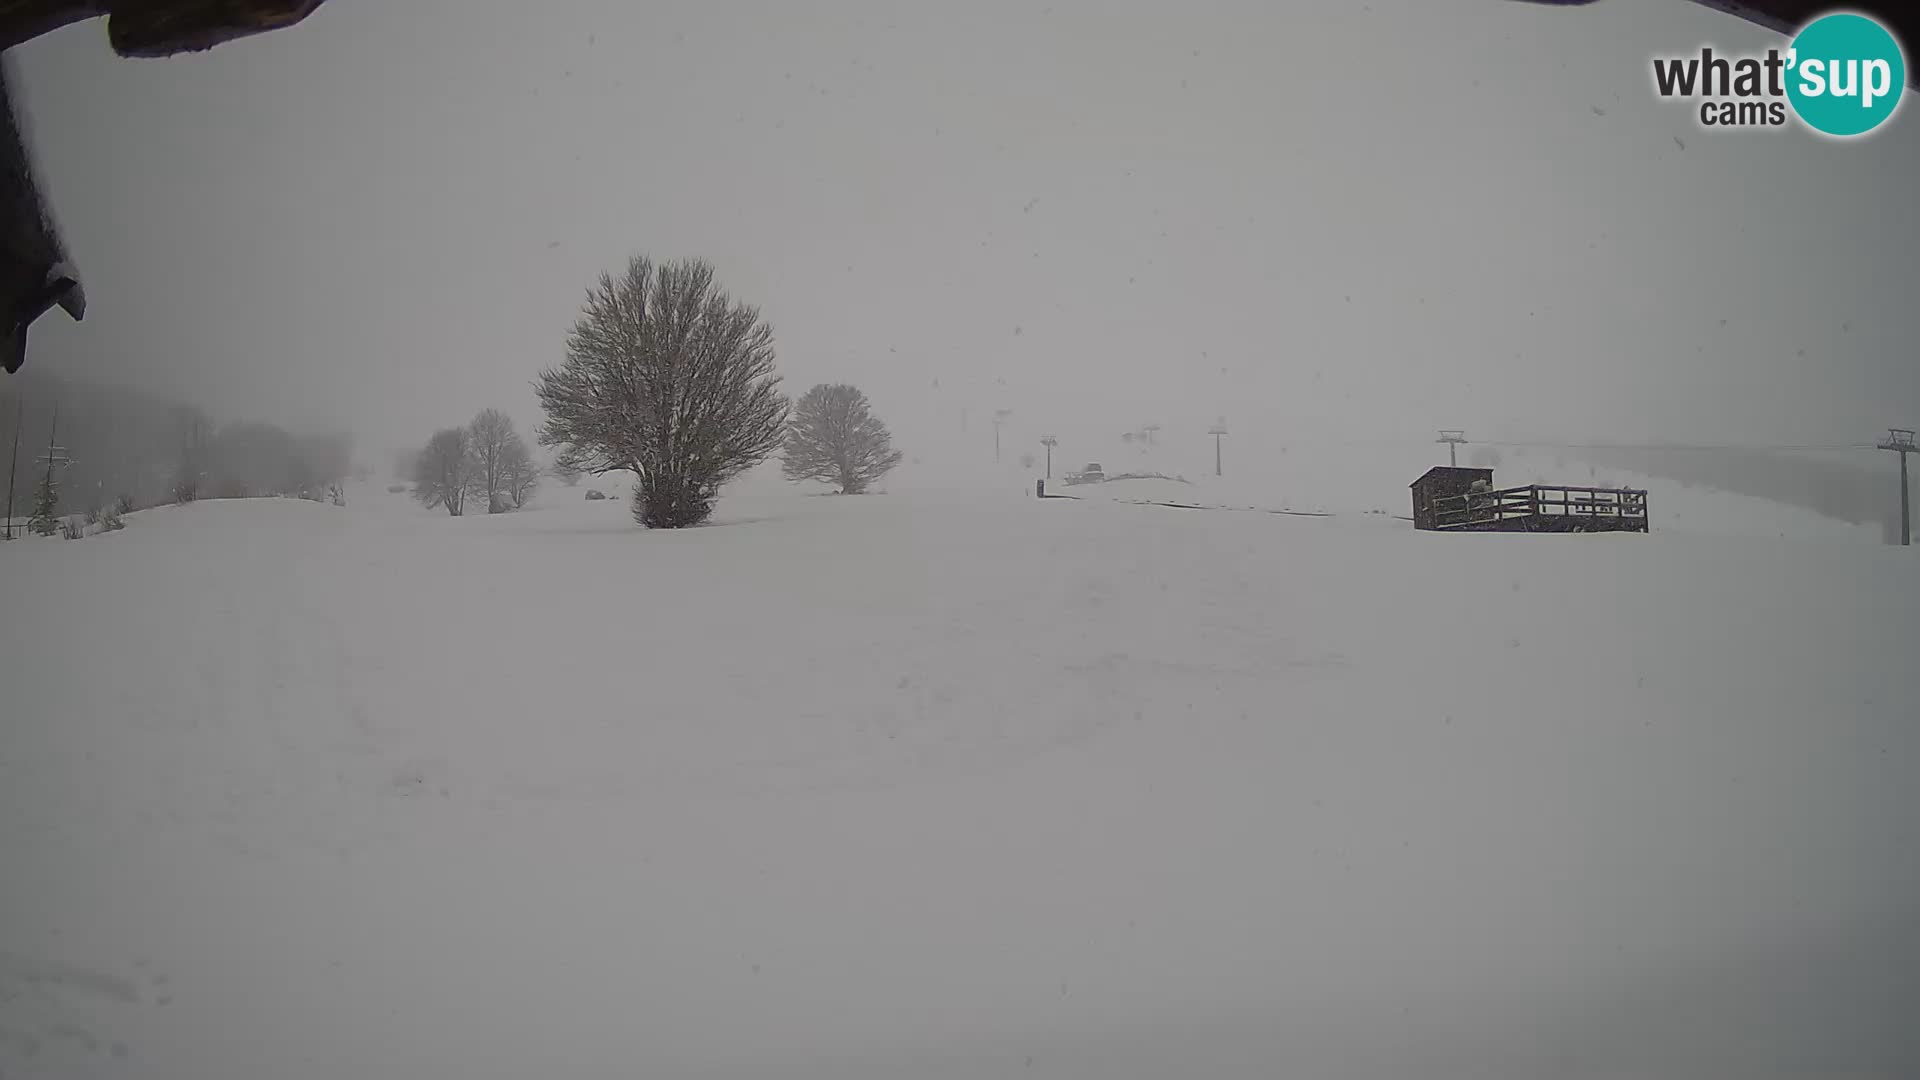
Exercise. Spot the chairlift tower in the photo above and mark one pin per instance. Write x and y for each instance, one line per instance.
(13, 464)
(1900, 441)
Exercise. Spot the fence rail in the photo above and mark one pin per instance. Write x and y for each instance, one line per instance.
(1623, 506)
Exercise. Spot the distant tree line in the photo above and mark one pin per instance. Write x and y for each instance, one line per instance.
(133, 449)
(244, 461)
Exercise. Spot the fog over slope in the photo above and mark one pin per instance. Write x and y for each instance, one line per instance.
(384, 219)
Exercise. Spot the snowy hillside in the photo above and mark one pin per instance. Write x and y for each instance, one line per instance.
(956, 784)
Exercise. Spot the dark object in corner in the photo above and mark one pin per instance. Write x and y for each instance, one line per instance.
(152, 28)
(34, 272)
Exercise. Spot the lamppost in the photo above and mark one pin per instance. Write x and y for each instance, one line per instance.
(1049, 442)
(1217, 431)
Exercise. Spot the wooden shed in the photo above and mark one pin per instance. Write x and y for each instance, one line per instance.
(1442, 481)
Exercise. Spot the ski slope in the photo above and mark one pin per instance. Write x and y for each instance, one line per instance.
(950, 784)
(1349, 478)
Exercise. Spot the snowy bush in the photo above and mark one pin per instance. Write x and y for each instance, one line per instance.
(73, 527)
(395, 489)
(110, 520)
(594, 495)
(124, 504)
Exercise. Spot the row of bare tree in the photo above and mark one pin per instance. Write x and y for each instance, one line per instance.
(486, 460)
(668, 377)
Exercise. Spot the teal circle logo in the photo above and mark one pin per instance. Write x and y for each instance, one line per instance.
(1845, 74)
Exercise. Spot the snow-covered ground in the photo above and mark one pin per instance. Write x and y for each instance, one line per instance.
(951, 784)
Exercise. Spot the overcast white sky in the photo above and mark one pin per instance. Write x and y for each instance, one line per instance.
(1331, 220)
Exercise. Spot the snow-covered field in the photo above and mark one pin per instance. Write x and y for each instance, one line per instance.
(951, 785)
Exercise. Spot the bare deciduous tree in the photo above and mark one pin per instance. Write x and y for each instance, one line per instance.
(490, 441)
(518, 471)
(835, 437)
(443, 473)
(195, 432)
(667, 376)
